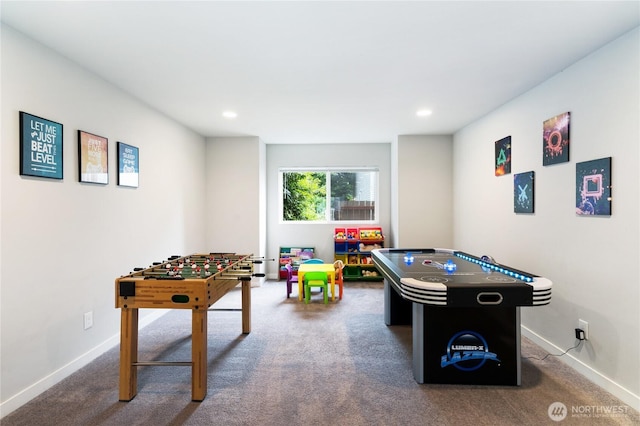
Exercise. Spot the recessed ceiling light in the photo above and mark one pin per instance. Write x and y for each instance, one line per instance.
(229, 114)
(423, 112)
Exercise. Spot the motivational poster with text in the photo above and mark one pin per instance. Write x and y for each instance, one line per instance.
(40, 147)
(93, 156)
(128, 165)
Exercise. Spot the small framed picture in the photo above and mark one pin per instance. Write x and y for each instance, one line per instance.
(593, 187)
(523, 192)
(93, 158)
(128, 165)
(503, 156)
(555, 139)
(40, 147)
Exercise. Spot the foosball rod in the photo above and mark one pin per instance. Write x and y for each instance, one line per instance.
(241, 277)
(261, 259)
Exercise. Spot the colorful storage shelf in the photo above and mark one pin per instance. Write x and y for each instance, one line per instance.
(294, 256)
(353, 246)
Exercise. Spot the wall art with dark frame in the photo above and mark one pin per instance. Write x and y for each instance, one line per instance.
(523, 192)
(41, 142)
(555, 139)
(502, 161)
(593, 187)
(93, 158)
(128, 165)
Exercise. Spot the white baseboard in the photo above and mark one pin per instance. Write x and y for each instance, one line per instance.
(29, 393)
(620, 392)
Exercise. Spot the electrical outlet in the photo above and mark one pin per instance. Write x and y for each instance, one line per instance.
(88, 320)
(584, 326)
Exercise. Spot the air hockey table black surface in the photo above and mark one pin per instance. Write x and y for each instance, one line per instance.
(464, 310)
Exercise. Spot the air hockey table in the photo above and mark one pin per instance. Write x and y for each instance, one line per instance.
(464, 311)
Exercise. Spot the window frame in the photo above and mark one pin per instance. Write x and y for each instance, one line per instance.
(327, 216)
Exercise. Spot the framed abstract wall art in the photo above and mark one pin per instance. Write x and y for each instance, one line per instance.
(40, 147)
(555, 139)
(503, 156)
(93, 158)
(523, 192)
(128, 165)
(593, 187)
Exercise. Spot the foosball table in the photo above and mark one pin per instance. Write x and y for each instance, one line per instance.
(193, 282)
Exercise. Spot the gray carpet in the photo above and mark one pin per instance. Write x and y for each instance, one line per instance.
(315, 364)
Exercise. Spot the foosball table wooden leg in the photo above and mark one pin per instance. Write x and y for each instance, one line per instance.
(246, 307)
(199, 354)
(128, 354)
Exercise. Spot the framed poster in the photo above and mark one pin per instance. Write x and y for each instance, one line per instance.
(593, 187)
(40, 147)
(503, 156)
(555, 139)
(128, 165)
(523, 192)
(93, 158)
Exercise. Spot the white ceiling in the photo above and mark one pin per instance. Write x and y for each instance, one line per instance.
(324, 72)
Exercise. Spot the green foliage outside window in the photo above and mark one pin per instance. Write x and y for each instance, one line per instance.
(304, 196)
(343, 186)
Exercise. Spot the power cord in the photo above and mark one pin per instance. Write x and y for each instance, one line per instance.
(558, 355)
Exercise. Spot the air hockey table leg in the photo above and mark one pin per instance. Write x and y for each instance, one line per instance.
(418, 342)
(434, 329)
(397, 311)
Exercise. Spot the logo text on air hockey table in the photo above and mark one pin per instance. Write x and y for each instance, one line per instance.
(467, 351)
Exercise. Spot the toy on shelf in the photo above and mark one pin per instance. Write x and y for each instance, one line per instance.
(369, 247)
(371, 234)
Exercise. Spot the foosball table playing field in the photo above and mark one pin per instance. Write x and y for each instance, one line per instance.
(181, 282)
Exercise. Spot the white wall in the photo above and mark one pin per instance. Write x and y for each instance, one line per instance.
(63, 242)
(424, 192)
(235, 184)
(592, 261)
(320, 236)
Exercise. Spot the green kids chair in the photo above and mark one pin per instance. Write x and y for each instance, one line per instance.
(316, 279)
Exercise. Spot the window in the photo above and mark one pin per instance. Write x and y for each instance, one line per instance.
(328, 195)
